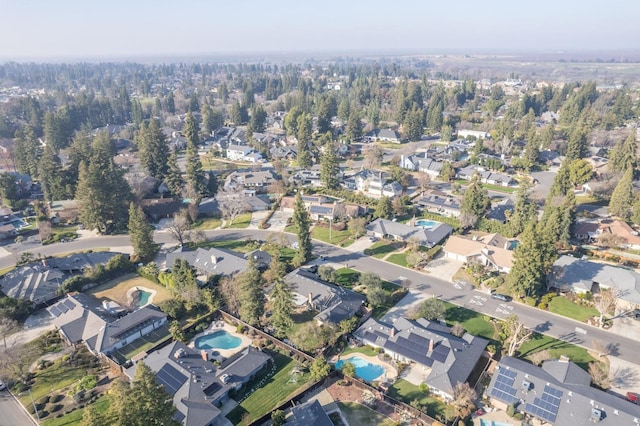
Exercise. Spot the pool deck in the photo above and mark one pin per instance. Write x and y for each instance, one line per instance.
(222, 326)
(390, 374)
(140, 288)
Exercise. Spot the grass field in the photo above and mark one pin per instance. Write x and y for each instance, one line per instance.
(498, 188)
(357, 414)
(398, 259)
(269, 396)
(366, 350)
(382, 248)
(117, 289)
(55, 377)
(241, 222)
(207, 223)
(62, 232)
(407, 392)
(74, 418)
(241, 246)
(340, 238)
(347, 277)
(474, 322)
(565, 307)
(539, 342)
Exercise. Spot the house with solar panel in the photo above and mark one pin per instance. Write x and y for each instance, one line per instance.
(446, 359)
(558, 393)
(81, 319)
(199, 387)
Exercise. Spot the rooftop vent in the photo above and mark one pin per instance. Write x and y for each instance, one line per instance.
(526, 385)
(596, 415)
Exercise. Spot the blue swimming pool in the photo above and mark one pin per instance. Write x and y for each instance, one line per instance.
(218, 340)
(484, 422)
(143, 298)
(426, 223)
(364, 369)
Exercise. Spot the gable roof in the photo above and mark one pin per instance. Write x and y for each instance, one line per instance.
(79, 317)
(425, 236)
(212, 261)
(126, 326)
(309, 413)
(450, 358)
(35, 283)
(335, 303)
(559, 393)
(493, 247)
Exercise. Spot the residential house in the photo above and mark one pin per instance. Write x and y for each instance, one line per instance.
(80, 318)
(259, 180)
(421, 163)
(307, 177)
(160, 208)
(209, 207)
(63, 211)
(307, 414)
(8, 231)
(384, 135)
(570, 274)
(243, 153)
(283, 153)
(373, 183)
(486, 176)
(425, 236)
(492, 250)
(208, 262)
(445, 359)
(334, 303)
(440, 203)
(558, 393)
(78, 262)
(591, 232)
(198, 387)
(262, 258)
(478, 134)
(500, 211)
(35, 283)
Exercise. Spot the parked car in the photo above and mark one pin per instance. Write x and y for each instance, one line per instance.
(313, 269)
(373, 239)
(633, 397)
(501, 297)
(2, 385)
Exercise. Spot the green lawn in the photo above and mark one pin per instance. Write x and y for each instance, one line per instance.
(62, 232)
(276, 390)
(347, 277)
(357, 414)
(340, 238)
(241, 246)
(407, 392)
(539, 342)
(398, 259)
(56, 377)
(498, 188)
(565, 307)
(473, 322)
(241, 222)
(381, 248)
(207, 223)
(75, 417)
(366, 350)
(301, 318)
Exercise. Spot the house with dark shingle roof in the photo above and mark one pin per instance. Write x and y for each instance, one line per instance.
(558, 393)
(335, 303)
(446, 359)
(211, 261)
(197, 386)
(307, 414)
(440, 203)
(428, 237)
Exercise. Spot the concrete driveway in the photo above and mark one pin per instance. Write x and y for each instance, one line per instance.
(443, 267)
(360, 245)
(279, 221)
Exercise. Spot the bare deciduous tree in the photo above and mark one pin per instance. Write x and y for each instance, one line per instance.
(44, 228)
(463, 399)
(599, 372)
(7, 325)
(537, 358)
(606, 301)
(457, 330)
(423, 180)
(373, 156)
(514, 334)
(180, 227)
(15, 361)
(231, 205)
(468, 220)
(357, 226)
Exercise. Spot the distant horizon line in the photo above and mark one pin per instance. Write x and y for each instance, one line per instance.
(325, 54)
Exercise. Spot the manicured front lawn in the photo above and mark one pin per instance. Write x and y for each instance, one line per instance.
(539, 342)
(347, 277)
(406, 392)
(241, 222)
(473, 322)
(498, 188)
(366, 350)
(562, 306)
(52, 378)
(241, 246)
(75, 417)
(398, 259)
(207, 223)
(340, 238)
(382, 248)
(62, 232)
(357, 414)
(270, 395)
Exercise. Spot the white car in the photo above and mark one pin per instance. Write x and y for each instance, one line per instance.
(2, 385)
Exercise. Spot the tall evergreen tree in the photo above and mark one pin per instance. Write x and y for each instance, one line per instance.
(475, 200)
(212, 184)
(195, 175)
(258, 119)
(174, 179)
(27, 151)
(141, 234)
(51, 175)
(191, 132)
(301, 222)
(152, 404)
(621, 202)
(624, 154)
(304, 155)
(523, 211)
(354, 126)
(154, 149)
(329, 168)
(281, 308)
(413, 124)
(384, 208)
(251, 295)
(532, 261)
(170, 103)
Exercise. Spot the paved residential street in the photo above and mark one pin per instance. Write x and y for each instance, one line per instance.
(11, 413)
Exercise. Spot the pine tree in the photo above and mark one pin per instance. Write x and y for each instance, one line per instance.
(624, 154)
(195, 175)
(281, 308)
(141, 234)
(154, 150)
(475, 200)
(251, 295)
(151, 402)
(27, 151)
(304, 155)
(413, 124)
(532, 261)
(523, 211)
(212, 184)
(190, 131)
(91, 416)
(170, 103)
(174, 179)
(301, 222)
(621, 201)
(384, 208)
(51, 176)
(329, 168)
(354, 126)
(258, 120)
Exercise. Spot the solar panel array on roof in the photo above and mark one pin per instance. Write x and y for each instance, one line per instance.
(409, 349)
(178, 416)
(212, 388)
(55, 311)
(503, 387)
(68, 304)
(547, 406)
(171, 379)
(440, 353)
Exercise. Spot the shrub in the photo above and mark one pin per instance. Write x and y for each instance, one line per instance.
(423, 387)
(56, 398)
(240, 329)
(517, 416)
(530, 301)
(54, 408)
(30, 409)
(44, 400)
(511, 410)
(42, 414)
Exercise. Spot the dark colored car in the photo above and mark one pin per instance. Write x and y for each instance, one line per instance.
(501, 297)
(313, 269)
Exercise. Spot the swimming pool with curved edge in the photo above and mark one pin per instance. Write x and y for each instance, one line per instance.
(364, 369)
(218, 340)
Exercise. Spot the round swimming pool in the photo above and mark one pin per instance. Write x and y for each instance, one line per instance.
(364, 369)
(426, 223)
(218, 340)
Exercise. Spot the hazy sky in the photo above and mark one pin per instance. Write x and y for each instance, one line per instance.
(95, 28)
